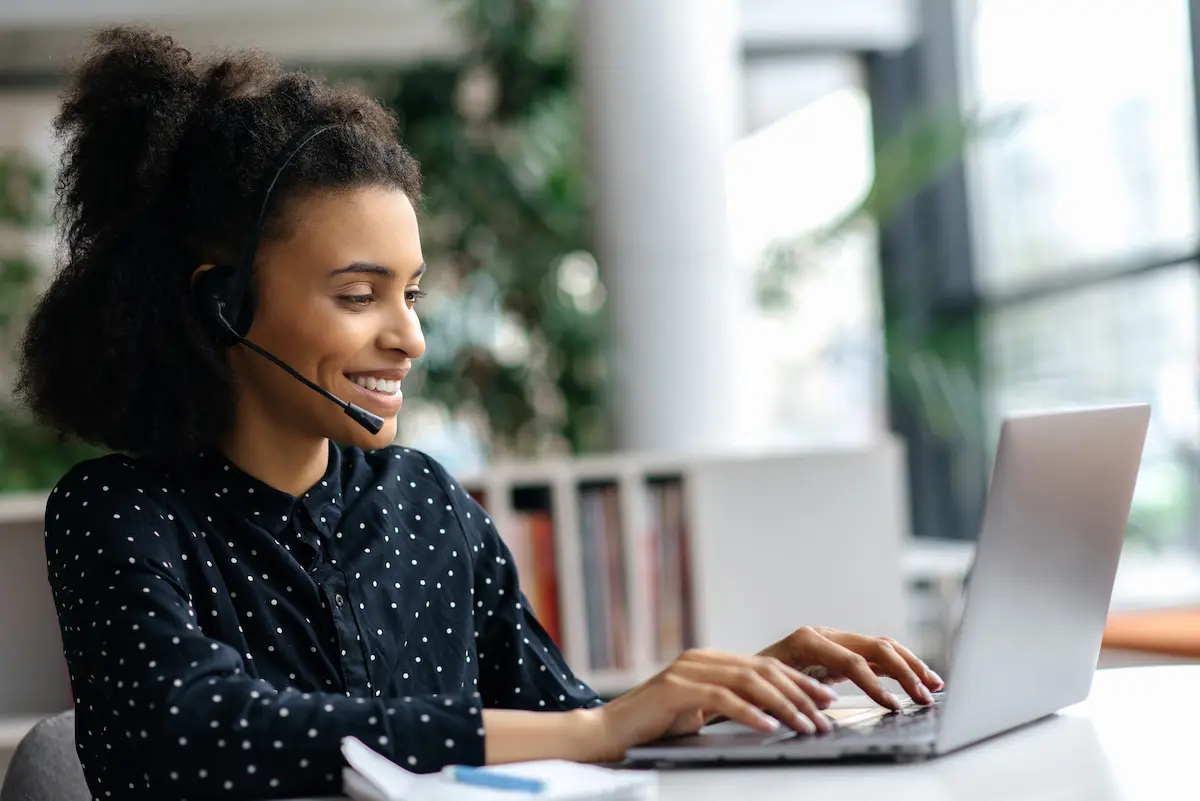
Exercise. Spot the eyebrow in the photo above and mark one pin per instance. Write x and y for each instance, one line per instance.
(373, 269)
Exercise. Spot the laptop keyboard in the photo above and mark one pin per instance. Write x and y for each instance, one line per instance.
(911, 719)
(910, 716)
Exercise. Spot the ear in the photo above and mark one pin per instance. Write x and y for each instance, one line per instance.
(203, 268)
(209, 297)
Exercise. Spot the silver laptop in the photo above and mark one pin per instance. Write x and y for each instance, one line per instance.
(1029, 636)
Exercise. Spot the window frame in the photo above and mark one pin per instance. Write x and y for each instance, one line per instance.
(929, 268)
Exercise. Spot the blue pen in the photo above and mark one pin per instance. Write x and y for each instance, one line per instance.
(481, 777)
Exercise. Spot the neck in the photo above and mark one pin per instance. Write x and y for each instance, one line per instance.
(264, 447)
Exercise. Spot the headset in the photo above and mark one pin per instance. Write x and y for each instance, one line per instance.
(223, 295)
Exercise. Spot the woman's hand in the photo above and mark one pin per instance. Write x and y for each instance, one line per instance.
(760, 691)
(834, 656)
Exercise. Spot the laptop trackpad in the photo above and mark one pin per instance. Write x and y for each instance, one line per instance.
(726, 734)
(849, 711)
(730, 727)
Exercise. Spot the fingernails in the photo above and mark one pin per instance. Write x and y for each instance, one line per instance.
(770, 722)
(892, 700)
(925, 696)
(822, 694)
(937, 679)
(824, 723)
(805, 724)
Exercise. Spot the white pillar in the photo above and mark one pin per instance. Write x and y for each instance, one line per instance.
(659, 81)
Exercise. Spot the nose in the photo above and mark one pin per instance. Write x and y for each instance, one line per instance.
(403, 333)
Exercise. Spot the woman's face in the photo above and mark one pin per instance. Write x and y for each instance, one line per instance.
(336, 302)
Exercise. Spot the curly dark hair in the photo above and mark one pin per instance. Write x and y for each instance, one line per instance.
(163, 156)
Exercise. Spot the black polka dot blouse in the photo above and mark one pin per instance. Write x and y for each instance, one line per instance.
(223, 636)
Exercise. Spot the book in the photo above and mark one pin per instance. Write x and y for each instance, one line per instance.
(593, 570)
(531, 540)
(606, 590)
(370, 776)
(669, 550)
(541, 537)
(618, 594)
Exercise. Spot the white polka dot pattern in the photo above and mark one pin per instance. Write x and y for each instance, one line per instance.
(222, 636)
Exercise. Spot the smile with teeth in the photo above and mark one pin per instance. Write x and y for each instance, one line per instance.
(381, 385)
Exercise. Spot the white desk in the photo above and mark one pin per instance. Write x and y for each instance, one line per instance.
(1134, 738)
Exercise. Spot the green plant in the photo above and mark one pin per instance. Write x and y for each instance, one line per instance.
(514, 322)
(31, 457)
(933, 366)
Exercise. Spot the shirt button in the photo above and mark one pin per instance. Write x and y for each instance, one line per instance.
(339, 600)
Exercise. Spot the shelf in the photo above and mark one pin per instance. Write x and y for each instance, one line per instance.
(931, 559)
(609, 683)
(23, 507)
(12, 729)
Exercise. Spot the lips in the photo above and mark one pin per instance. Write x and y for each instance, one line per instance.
(384, 386)
(379, 389)
(388, 374)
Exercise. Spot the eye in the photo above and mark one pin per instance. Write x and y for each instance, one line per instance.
(358, 300)
(413, 295)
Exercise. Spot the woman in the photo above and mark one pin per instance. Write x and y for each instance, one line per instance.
(236, 594)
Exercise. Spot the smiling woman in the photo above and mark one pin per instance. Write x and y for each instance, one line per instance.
(236, 592)
(345, 328)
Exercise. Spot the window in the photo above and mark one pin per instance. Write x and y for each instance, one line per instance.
(1103, 170)
(1086, 222)
(813, 354)
(1136, 338)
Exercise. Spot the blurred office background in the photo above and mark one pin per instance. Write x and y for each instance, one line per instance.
(747, 226)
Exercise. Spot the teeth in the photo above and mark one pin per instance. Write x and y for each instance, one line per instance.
(380, 385)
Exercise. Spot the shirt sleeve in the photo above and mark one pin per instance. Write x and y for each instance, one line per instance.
(520, 667)
(172, 712)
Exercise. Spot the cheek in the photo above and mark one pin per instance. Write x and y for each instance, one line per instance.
(312, 337)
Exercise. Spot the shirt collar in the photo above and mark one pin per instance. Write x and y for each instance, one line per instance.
(259, 502)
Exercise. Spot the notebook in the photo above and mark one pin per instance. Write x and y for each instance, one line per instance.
(370, 776)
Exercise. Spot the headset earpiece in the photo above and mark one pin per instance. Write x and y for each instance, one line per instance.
(211, 298)
(223, 297)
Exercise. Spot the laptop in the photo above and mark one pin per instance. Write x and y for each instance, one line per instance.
(1028, 638)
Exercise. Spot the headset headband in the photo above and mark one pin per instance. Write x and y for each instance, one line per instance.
(238, 286)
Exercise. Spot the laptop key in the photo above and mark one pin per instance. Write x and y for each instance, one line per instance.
(909, 716)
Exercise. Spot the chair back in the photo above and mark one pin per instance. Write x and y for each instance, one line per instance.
(45, 766)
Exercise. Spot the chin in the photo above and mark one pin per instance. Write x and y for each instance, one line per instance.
(351, 433)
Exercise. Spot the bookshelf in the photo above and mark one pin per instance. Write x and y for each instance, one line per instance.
(33, 674)
(654, 554)
(755, 546)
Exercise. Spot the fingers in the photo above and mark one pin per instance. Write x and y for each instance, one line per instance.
(857, 669)
(785, 693)
(807, 696)
(811, 687)
(884, 653)
(755, 688)
(932, 680)
(824, 696)
(724, 701)
(886, 657)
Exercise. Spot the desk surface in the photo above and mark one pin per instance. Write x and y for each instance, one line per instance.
(1134, 738)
